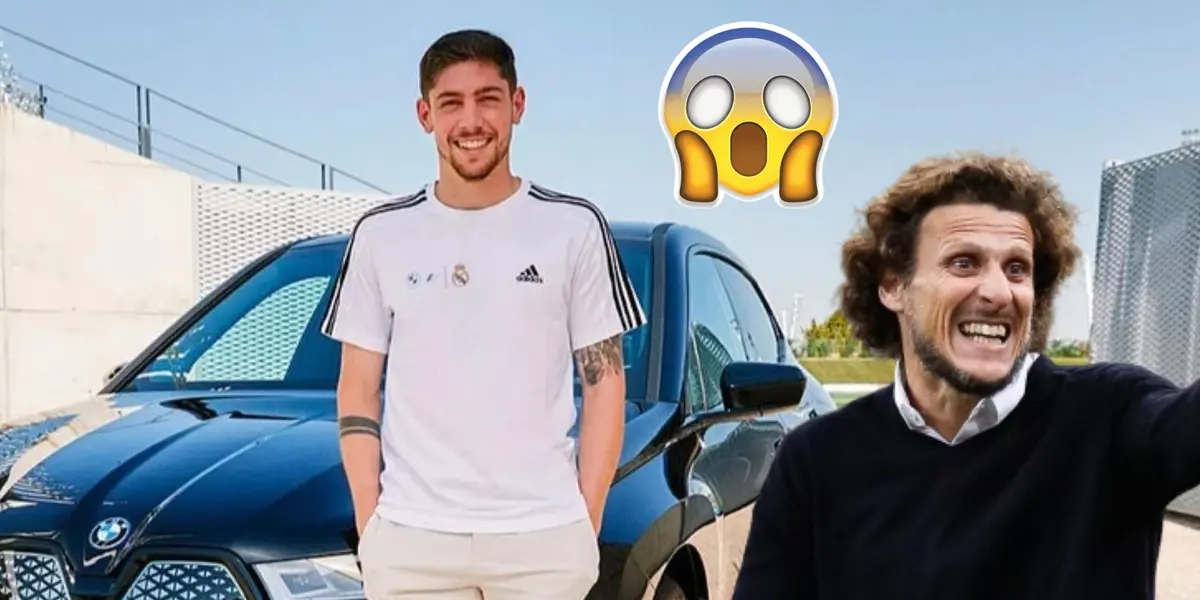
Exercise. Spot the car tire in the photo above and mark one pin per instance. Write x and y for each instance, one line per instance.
(668, 589)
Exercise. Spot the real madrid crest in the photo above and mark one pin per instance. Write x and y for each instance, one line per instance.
(460, 276)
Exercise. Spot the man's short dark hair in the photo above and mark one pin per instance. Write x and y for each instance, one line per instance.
(465, 45)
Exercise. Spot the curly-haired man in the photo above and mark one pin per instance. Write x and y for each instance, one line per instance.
(985, 471)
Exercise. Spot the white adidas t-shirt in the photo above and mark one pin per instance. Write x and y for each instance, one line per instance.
(479, 312)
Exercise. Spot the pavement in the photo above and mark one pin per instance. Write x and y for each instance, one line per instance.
(1179, 561)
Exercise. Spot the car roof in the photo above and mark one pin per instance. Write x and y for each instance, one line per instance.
(621, 230)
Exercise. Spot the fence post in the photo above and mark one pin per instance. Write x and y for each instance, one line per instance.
(141, 127)
(148, 128)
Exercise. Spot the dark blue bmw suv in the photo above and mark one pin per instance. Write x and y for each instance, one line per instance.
(208, 466)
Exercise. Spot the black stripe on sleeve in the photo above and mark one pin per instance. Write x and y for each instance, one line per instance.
(336, 296)
(624, 297)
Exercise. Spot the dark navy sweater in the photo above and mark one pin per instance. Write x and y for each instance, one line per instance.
(1062, 500)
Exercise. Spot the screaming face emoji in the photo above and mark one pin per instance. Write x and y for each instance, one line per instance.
(748, 107)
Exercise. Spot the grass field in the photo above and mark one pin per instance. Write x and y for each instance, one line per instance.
(841, 399)
(871, 370)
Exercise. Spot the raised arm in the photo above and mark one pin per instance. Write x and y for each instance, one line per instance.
(1159, 433)
(359, 318)
(603, 307)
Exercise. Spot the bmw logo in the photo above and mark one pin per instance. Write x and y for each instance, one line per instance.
(109, 533)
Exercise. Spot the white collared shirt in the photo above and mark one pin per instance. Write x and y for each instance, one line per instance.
(987, 413)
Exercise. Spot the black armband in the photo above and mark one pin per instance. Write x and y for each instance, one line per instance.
(354, 424)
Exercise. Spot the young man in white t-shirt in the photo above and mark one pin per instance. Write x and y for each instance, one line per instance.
(476, 293)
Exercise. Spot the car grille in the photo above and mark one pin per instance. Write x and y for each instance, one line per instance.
(38, 576)
(160, 580)
(31, 576)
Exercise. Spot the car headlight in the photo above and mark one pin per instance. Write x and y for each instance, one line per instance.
(324, 578)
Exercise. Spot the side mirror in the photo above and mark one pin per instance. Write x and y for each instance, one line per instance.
(113, 372)
(762, 387)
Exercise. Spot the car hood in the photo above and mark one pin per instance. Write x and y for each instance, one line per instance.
(251, 474)
(259, 475)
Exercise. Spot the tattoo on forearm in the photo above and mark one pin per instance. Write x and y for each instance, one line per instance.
(600, 359)
(353, 425)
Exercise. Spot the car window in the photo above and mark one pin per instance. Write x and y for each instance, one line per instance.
(260, 346)
(637, 260)
(715, 341)
(262, 335)
(265, 333)
(755, 321)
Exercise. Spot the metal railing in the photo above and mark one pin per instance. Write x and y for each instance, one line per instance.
(138, 132)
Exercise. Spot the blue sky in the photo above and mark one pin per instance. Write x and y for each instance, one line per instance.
(1065, 86)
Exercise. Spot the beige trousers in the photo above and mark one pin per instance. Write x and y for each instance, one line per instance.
(403, 563)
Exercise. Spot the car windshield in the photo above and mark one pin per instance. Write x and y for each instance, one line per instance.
(265, 334)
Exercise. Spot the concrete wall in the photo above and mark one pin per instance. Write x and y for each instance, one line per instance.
(97, 257)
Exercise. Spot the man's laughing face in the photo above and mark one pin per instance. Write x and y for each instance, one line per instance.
(966, 310)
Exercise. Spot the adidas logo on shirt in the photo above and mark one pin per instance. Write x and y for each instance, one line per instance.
(529, 275)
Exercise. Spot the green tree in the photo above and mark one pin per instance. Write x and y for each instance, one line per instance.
(838, 328)
(814, 331)
(1068, 349)
(832, 337)
(818, 348)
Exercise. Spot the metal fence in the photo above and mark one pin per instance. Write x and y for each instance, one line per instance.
(118, 110)
(1147, 274)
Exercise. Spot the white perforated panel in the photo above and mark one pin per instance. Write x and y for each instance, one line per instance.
(236, 223)
(1147, 284)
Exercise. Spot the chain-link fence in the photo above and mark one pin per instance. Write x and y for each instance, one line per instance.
(1146, 305)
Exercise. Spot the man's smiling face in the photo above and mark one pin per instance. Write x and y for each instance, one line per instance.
(470, 111)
